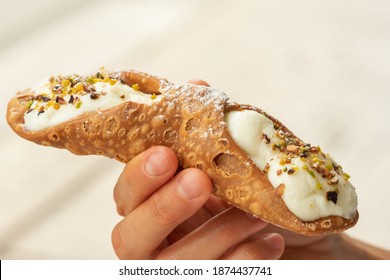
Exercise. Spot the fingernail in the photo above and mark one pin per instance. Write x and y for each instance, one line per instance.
(189, 187)
(157, 164)
(274, 240)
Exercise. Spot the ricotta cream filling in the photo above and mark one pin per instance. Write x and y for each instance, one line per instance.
(304, 190)
(113, 95)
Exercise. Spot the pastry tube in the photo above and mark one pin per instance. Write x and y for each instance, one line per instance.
(198, 124)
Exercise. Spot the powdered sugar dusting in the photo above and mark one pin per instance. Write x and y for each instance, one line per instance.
(205, 95)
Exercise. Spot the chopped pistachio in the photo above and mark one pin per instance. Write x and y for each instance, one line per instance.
(305, 167)
(90, 80)
(65, 83)
(311, 173)
(29, 104)
(315, 159)
(135, 87)
(79, 87)
(329, 166)
(78, 105)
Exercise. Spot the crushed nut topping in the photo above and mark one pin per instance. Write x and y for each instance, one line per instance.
(334, 180)
(266, 168)
(60, 100)
(291, 171)
(94, 96)
(292, 149)
(71, 99)
(332, 196)
(266, 139)
(66, 89)
(316, 161)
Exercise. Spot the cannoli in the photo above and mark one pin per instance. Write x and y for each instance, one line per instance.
(255, 163)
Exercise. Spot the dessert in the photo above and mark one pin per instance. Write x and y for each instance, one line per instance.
(253, 160)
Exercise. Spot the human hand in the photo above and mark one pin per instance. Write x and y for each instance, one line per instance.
(175, 216)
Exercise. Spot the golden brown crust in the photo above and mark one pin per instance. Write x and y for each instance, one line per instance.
(190, 120)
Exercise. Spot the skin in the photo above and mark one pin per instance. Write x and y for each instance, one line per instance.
(173, 215)
(169, 215)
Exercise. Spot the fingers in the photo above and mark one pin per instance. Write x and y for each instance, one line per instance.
(268, 247)
(156, 205)
(142, 231)
(199, 82)
(215, 237)
(142, 176)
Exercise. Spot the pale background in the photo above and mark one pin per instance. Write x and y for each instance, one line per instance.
(322, 67)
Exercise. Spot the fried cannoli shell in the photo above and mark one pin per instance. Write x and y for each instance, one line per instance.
(189, 119)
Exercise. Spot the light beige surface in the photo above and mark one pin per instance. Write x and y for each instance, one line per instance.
(323, 69)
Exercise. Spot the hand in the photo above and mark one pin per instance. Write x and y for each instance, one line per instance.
(174, 216)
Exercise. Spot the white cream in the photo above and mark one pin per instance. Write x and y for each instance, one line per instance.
(115, 95)
(305, 191)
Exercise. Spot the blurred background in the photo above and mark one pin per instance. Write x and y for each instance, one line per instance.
(321, 67)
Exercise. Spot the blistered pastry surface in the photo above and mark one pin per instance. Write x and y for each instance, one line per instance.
(190, 120)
